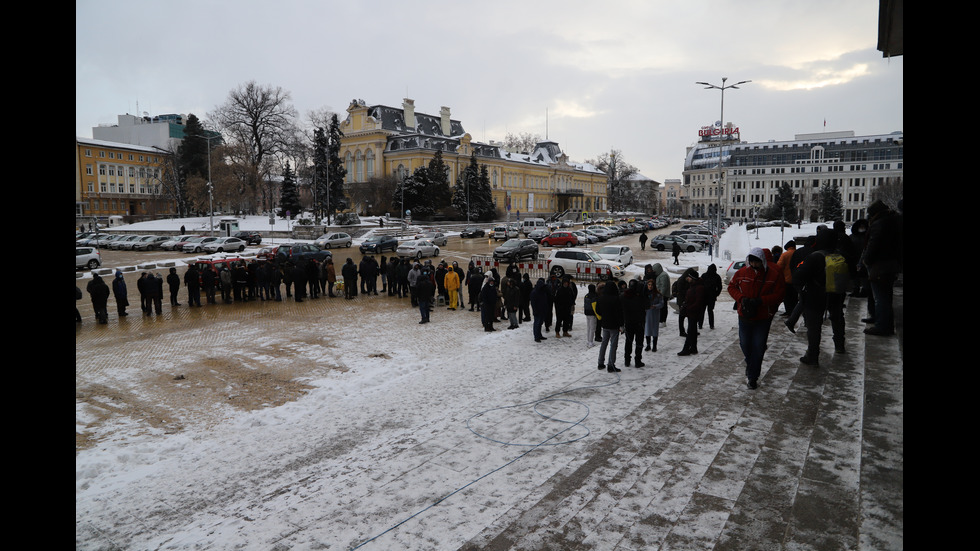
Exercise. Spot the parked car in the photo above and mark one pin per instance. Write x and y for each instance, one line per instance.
(515, 249)
(300, 253)
(472, 231)
(250, 237)
(333, 239)
(437, 238)
(130, 244)
(87, 257)
(601, 232)
(566, 261)
(665, 242)
(378, 243)
(735, 266)
(697, 238)
(196, 244)
(560, 239)
(617, 253)
(117, 244)
(538, 234)
(225, 245)
(417, 248)
(150, 244)
(177, 243)
(586, 238)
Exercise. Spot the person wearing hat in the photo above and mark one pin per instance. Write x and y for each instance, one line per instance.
(757, 289)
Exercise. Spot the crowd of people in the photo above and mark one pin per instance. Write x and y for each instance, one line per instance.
(810, 281)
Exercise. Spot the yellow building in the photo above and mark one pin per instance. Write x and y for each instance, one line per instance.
(117, 179)
(387, 141)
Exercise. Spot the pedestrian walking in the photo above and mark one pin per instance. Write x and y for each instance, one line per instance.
(757, 291)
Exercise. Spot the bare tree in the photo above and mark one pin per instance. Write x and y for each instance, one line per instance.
(619, 176)
(890, 192)
(261, 122)
(523, 142)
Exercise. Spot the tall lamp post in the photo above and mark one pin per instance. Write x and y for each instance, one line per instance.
(210, 185)
(721, 136)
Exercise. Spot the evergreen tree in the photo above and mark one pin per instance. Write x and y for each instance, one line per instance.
(481, 198)
(438, 195)
(831, 203)
(337, 200)
(466, 183)
(321, 173)
(412, 189)
(289, 194)
(783, 205)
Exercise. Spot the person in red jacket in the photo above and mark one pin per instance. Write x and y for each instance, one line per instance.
(757, 289)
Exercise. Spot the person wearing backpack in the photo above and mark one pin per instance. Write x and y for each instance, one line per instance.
(823, 275)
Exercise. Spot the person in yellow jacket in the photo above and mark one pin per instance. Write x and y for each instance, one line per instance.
(451, 283)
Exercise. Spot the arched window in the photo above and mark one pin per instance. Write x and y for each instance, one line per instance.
(359, 159)
(349, 164)
(370, 164)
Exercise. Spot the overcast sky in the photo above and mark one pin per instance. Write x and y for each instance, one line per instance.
(591, 76)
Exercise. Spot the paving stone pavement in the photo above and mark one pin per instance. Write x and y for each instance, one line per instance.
(812, 460)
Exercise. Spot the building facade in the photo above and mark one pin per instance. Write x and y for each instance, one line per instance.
(749, 175)
(117, 179)
(383, 141)
(161, 131)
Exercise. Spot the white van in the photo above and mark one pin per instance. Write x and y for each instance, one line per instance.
(530, 224)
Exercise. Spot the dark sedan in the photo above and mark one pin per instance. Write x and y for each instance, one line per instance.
(300, 253)
(516, 249)
(472, 231)
(379, 243)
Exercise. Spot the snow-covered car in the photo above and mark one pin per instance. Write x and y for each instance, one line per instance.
(333, 239)
(666, 242)
(417, 248)
(516, 249)
(87, 257)
(617, 253)
(225, 245)
(566, 261)
(437, 238)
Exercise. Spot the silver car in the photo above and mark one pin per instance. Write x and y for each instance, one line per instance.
(417, 248)
(332, 240)
(437, 238)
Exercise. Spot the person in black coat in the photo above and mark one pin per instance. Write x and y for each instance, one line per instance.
(609, 310)
(712, 289)
(173, 282)
(539, 306)
(693, 310)
(349, 271)
(474, 282)
(142, 287)
(99, 293)
(675, 251)
(526, 288)
(120, 293)
(155, 286)
(299, 282)
(488, 302)
(564, 307)
(192, 280)
(425, 290)
(209, 282)
(634, 320)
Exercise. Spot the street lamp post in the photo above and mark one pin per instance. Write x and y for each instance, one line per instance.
(721, 156)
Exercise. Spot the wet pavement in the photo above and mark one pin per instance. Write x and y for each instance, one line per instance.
(813, 459)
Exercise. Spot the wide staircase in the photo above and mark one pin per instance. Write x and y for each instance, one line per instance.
(813, 459)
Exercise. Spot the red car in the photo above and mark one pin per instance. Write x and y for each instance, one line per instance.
(560, 239)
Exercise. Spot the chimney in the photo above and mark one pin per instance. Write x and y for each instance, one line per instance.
(447, 127)
(408, 105)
